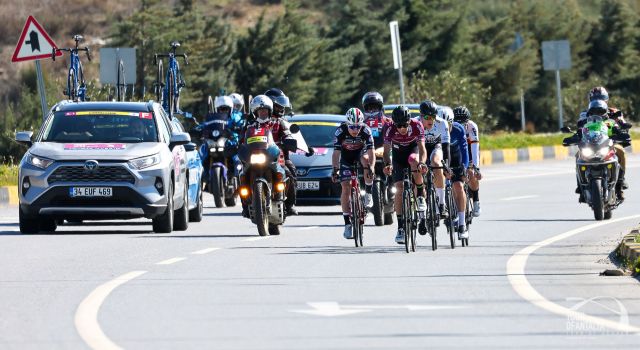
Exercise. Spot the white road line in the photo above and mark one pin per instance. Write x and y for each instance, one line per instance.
(255, 238)
(170, 261)
(205, 251)
(519, 282)
(519, 197)
(86, 318)
(308, 228)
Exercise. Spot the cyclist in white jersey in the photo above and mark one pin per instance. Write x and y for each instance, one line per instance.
(463, 116)
(446, 113)
(436, 141)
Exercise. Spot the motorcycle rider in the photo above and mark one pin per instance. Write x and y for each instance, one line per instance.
(261, 107)
(462, 115)
(437, 138)
(353, 143)
(280, 130)
(405, 139)
(220, 115)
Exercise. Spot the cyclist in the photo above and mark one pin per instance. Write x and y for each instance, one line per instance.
(352, 143)
(404, 139)
(436, 139)
(445, 113)
(459, 162)
(462, 115)
(280, 130)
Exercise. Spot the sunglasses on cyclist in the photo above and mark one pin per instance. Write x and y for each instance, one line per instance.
(426, 116)
(354, 127)
(402, 126)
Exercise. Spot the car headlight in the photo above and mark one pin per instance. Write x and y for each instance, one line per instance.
(587, 152)
(258, 159)
(145, 162)
(221, 143)
(38, 162)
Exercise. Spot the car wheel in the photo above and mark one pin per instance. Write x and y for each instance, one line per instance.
(28, 224)
(164, 222)
(181, 220)
(48, 225)
(195, 214)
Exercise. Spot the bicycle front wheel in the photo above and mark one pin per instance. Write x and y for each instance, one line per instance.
(356, 224)
(431, 218)
(72, 85)
(406, 221)
(171, 94)
(159, 77)
(453, 212)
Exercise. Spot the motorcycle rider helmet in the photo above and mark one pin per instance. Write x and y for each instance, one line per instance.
(223, 102)
(401, 116)
(598, 93)
(355, 117)
(372, 104)
(428, 108)
(446, 113)
(461, 114)
(597, 108)
(258, 102)
(238, 101)
(281, 102)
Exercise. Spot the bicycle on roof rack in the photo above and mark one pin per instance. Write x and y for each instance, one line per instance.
(76, 87)
(167, 86)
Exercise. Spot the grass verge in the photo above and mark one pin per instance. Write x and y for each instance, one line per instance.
(8, 175)
(503, 140)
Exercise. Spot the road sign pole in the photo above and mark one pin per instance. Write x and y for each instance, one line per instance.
(397, 55)
(401, 85)
(41, 90)
(522, 116)
(559, 92)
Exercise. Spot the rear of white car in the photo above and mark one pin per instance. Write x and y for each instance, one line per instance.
(102, 161)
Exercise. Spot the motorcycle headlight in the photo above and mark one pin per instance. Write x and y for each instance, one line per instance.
(586, 152)
(38, 162)
(221, 143)
(258, 159)
(603, 151)
(145, 162)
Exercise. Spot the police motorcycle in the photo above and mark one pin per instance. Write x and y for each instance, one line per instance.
(221, 179)
(597, 166)
(263, 177)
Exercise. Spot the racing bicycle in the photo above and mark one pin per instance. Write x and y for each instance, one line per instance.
(358, 212)
(76, 87)
(410, 215)
(431, 219)
(167, 86)
(452, 211)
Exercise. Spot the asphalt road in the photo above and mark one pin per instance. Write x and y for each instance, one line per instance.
(220, 286)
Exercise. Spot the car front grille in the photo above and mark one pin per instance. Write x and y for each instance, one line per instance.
(101, 174)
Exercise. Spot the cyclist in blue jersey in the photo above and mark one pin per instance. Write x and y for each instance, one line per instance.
(458, 162)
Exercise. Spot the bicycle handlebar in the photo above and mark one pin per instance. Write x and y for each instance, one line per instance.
(183, 55)
(72, 50)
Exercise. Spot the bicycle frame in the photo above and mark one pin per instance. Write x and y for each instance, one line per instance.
(358, 214)
(409, 210)
(170, 94)
(76, 87)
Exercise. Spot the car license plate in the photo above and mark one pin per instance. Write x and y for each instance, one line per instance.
(90, 192)
(308, 185)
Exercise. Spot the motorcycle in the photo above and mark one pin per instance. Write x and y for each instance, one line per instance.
(222, 180)
(264, 185)
(597, 169)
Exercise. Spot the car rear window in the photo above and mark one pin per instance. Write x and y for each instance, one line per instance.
(318, 134)
(101, 126)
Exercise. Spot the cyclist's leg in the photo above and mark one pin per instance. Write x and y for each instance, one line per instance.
(435, 159)
(474, 189)
(418, 180)
(459, 196)
(346, 162)
(368, 179)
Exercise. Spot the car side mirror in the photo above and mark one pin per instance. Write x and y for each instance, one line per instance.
(179, 138)
(294, 129)
(24, 137)
(190, 147)
(566, 129)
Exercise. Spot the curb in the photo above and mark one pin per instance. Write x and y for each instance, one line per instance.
(629, 251)
(536, 153)
(9, 195)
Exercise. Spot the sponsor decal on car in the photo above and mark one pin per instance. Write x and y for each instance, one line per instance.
(94, 146)
(93, 113)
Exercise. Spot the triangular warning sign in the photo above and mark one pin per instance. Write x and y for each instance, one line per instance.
(34, 43)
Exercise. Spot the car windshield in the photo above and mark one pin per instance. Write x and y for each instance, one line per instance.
(101, 126)
(318, 134)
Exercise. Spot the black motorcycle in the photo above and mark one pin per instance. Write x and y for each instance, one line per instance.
(265, 188)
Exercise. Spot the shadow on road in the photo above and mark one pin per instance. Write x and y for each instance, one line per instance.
(223, 214)
(541, 220)
(198, 236)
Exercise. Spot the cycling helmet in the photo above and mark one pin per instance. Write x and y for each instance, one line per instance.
(261, 101)
(401, 115)
(355, 116)
(597, 107)
(461, 114)
(238, 101)
(598, 93)
(373, 99)
(446, 113)
(428, 108)
(223, 101)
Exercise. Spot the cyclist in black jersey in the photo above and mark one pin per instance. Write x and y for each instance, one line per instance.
(353, 143)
